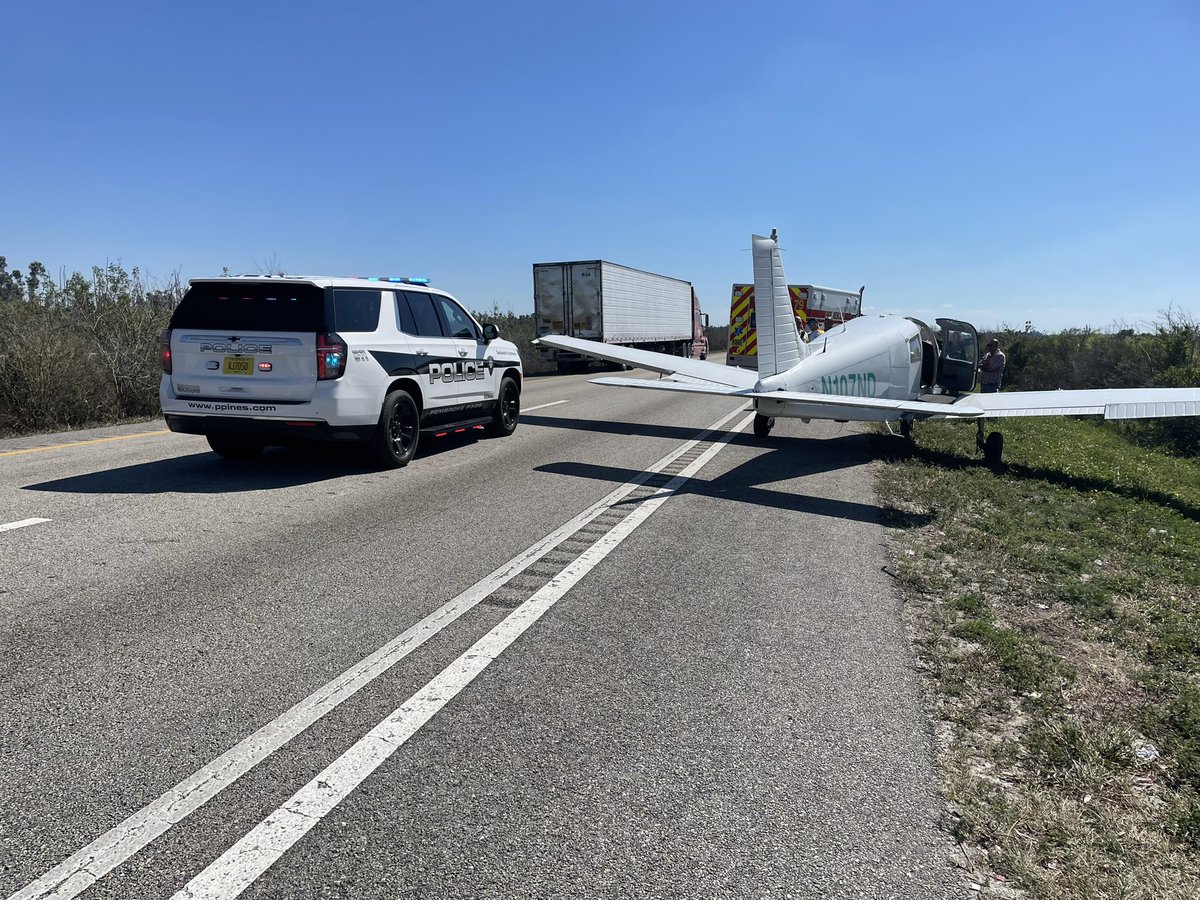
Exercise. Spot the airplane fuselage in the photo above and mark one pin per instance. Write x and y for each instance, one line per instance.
(872, 356)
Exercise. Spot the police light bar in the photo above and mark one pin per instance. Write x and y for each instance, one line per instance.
(405, 280)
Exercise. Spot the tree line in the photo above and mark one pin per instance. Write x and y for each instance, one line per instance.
(85, 351)
(82, 352)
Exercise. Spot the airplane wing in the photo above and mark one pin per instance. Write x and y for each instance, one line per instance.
(695, 372)
(823, 403)
(1112, 403)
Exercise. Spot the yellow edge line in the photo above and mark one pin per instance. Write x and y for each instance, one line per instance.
(120, 437)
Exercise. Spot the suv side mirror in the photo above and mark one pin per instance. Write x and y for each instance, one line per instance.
(490, 333)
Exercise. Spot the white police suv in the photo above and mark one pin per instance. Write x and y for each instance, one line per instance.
(253, 361)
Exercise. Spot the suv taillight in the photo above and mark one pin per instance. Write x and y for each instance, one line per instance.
(164, 351)
(331, 356)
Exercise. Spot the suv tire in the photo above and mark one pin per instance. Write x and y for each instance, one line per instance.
(394, 443)
(508, 408)
(233, 448)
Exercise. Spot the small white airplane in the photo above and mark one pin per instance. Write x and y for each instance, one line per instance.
(870, 369)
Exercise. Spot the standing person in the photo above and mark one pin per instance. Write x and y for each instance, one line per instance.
(991, 368)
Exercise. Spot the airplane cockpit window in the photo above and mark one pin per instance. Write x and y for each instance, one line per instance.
(960, 345)
(927, 336)
(914, 349)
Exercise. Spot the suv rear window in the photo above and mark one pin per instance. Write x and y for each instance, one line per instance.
(356, 310)
(251, 306)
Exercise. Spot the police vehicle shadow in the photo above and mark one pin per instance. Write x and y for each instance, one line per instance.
(207, 473)
(277, 467)
(798, 458)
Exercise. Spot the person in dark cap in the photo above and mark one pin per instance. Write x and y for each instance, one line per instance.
(991, 367)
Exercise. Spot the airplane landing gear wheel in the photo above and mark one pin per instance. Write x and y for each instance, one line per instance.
(993, 448)
(763, 424)
(906, 429)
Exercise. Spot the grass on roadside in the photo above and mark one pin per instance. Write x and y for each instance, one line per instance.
(1054, 603)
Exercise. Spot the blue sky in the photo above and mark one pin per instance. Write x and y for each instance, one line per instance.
(997, 162)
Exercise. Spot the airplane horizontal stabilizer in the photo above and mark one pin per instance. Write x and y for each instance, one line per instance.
(663, 363)
(1112, 403)
(689, 386)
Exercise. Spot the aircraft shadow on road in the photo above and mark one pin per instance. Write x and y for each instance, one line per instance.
(672, 432)
(207, 473)
(798, 458)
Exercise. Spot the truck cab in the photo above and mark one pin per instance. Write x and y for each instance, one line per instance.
(699, 347)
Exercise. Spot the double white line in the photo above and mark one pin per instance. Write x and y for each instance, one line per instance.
(250, 857)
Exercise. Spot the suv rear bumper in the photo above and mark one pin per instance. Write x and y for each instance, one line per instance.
(267, 430)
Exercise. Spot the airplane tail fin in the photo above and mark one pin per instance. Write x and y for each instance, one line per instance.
(779, 343)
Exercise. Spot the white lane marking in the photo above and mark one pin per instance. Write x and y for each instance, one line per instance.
(24, 523)
(544, 405)
(85, 867)
(243, 863)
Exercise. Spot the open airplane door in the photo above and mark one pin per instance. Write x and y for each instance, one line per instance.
(960, 356)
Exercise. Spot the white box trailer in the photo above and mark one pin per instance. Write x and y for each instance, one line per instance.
(602, 301)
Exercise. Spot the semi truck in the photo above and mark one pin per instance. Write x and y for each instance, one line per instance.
(602, 301)
(815, 307)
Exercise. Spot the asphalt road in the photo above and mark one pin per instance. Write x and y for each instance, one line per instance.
(593, 681)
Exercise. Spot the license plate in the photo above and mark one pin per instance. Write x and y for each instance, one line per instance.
(239, 365)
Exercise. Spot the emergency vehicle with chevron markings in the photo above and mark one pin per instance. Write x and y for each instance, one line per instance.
(813, 306)
(252, 361)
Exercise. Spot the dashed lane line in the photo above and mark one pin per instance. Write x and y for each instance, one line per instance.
(544, 405)
(88, 865)
(24, 523)
(248, 859)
